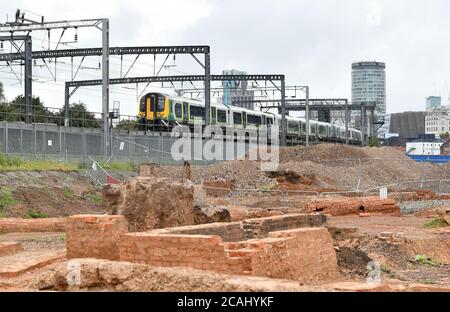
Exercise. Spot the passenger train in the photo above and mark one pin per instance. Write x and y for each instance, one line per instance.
(162, 110)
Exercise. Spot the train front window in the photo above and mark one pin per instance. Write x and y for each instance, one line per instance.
(143, 104)
(161, 103)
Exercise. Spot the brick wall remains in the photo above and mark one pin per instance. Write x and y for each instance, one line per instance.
(273, 247)
(94, 236)
(341, 206)
(250, 228)
(300, 254)
(12, 225)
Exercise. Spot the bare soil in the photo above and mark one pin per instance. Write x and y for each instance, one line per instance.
(50, 194)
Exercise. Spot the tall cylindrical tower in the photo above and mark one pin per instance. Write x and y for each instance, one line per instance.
(369, 84)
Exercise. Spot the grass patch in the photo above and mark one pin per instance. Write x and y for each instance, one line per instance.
(68, 193)
(428, 281)
(424, 260)
(265, 188)
(33, 214)
(94, 198)
(119, 166)
(12, 163)
(62, 237)
(3, 214)
(436, 223)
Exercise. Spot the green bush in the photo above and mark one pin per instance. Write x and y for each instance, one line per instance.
(6, 199)
(424, 260)
(33, 214)
(375, 142)
(436, 223)
(68, 193)
(94, 198)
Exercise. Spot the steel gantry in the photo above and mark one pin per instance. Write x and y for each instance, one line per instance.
(26, 57)
(24, 25)
(152, 50)
(188, 78)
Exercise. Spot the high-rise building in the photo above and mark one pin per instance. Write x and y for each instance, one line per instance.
(235, 93)
(434, 103)
(369, 84)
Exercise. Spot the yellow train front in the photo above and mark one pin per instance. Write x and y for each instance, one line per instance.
(154, 110)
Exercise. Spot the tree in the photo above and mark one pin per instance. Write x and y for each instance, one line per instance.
(16, 111)
(444, 136)
(40, 113)
(79, 116)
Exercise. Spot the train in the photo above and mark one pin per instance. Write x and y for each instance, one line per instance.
(165, 111)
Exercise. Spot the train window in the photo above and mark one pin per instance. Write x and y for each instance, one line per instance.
(237, 118)
(221, 116)
(178, 110)
(304, 127)
(143, 105)
(322, 130)
(161, 103)
(313, 129)
(269, 121)
(293, 126)
(185, 111)
(197, 111)
(152, 102)
(254, 120)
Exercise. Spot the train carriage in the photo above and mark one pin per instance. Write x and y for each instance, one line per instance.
(165, 111)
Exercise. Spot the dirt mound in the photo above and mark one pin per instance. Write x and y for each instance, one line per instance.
(349, 168)
(47, 194)
(352, 261)
(321, 152)
(151, 203)
(322, 166)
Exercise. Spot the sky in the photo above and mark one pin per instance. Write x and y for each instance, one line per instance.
(311, 42)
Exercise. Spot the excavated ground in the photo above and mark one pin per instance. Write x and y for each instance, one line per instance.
(407, 251)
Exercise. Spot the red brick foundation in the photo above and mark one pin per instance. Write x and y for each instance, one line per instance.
(11, 225)
(342, 206)
(94, 236)
(300, 254)
(282, 247)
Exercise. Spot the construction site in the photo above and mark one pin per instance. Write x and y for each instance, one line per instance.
(101, 201)
(232, 227)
